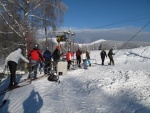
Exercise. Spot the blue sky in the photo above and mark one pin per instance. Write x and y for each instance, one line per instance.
(104, 14)
(96, 13)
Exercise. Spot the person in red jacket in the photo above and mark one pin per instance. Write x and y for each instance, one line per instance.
(69, 58)
(35, 57)
(78, 57)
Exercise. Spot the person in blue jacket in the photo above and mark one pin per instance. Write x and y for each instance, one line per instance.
(47, 58)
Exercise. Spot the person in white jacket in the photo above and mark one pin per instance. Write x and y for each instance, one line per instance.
(84, 58)
(12, 62)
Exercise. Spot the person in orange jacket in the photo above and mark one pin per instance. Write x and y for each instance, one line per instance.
(69, 58)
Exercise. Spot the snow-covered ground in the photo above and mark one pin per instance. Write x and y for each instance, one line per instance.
(123, 88)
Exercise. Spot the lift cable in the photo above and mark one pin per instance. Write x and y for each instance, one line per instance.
(134, 36)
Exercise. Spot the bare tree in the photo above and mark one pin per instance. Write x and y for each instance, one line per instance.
(21, 16)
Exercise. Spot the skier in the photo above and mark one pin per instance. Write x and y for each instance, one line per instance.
(84, 58)
(35, 56)
(78, 57)
(47, 58)
(110, 55)
(69, 58)
(56, 57)
(88, 58)
(12, 62)
(103, 55)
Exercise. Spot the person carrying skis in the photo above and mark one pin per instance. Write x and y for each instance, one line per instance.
(88, 57)
(47, 60)
(12, 62)
(56, 57)
(110, 55)
(103, 55)
(35, 56)
(69, 58)
(78, 57)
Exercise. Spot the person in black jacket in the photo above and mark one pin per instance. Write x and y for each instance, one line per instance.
(47, 57)
(103, 55)
(56, 56)
(110, 55)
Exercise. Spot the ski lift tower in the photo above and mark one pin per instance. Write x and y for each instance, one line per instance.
(70, 34)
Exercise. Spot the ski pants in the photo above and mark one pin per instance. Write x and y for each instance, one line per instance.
(85, 64)
(103, 59)
(68, 65)
(78, 60)
(47, 67)
(89, 61)
(12, 67)
(111, 60)
(55, 64)
(33, 69)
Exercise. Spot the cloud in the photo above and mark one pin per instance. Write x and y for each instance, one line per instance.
(118, 34)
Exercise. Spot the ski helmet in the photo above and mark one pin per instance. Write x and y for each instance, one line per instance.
(36, 46)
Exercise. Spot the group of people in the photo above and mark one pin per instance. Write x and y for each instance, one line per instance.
(80, 55)
(110, 55)
(35, 57)
(85, 56)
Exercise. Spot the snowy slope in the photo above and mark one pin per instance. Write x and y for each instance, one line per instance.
(123, 88)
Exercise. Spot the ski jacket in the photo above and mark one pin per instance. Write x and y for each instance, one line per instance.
(110, 53)
(56, 55)
(103, 54)
(84, 56)
(69, 56)
(87, 55)
(78, 53)
(36, 55)
(47, 55)
(15, 56)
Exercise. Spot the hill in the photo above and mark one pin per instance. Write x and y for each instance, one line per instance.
(123, 88)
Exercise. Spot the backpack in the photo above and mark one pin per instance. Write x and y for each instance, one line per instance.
(47, 54)
(34, 55)
(53, 77)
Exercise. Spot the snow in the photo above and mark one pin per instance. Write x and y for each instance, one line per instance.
(123, 88)
(98, 41)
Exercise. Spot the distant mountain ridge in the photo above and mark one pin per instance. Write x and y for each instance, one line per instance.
(108, 44)
(102, 44)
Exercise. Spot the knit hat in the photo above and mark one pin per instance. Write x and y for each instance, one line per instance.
(19, 50)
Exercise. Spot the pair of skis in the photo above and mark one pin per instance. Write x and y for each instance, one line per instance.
(20, 84)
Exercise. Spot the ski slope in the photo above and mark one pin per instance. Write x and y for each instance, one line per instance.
(123, 88)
